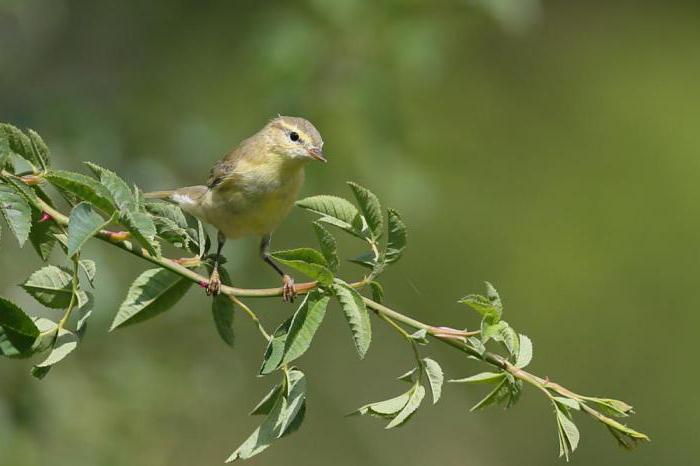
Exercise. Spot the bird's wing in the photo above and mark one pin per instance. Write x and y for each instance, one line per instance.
(226, 167)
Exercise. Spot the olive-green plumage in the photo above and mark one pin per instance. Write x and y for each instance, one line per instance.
(250, 191)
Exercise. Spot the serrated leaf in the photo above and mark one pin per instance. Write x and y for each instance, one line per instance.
(222, 310)
(329, 247)
(143, 229)
(377, 291)
(171, 232)
(51, 286)
(385, 408)
(435, 377)
(152, 293)
(16, 212)
(284, 417)
(275, 348)
(306, 260)
(356, 314)
(370, 207)
(118, 189)
(413, 403)
(409, 376)
(41, 236)
(19, 143)
(568, 434)
(567, 402)
(501, 332)
(84, 187)
(494, 298)
(65, 343)
(396, 242)
(477, 345)
(266, 404)
(335, 211)
(83, 224)
(169, 211)
(483, 306)
(524, 353)
(39, 149)
(366, 260)
(306, 320)
(612, 407)
(420, 336)
(84, 313)
(483, 377)
(89, 268)
(17, 330)
(493, 397)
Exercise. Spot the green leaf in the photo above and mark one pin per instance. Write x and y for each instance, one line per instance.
(413, 403)
(370, 208)
(356, 314)
(222, 310)
(16, 213)
(483, 306)
(65, 343)
(285, 414)
(275, 348)
(308, 261)
(501, 332)
(568, 434)
(83, 224)
(169, 211)
(377, 291)
(84, 312)
(525, 353)
(396, 242)
(141, 226)
(494, 396)
(612, 407)
(19, 143)
(484, 377)
(268, 402)
(494, 298)
(39, 149)
(335, 211)
(84, 187)
(89, 268)
(171, 232)
(306, 320)
(42, 236)
(435, 377)
(120, 192)
(420, 336)
(329, 247)
(51, 286)
(387, 408)
(567, 403)
(366, 260)
(409, 376)
(17, 330)
(153, 292)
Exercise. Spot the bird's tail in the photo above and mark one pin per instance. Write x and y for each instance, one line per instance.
(165, 195)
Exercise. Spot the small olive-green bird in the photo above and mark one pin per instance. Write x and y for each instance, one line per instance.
(252, 189)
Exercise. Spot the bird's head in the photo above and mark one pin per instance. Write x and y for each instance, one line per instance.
(295, 137)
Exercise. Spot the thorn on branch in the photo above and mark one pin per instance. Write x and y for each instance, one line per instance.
(45, 217)
(117, 236)
(31, 180)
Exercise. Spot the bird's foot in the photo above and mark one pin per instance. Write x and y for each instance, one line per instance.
(288, 291)
(214, 285)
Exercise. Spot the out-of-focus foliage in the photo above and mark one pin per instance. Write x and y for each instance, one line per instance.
(556, 158)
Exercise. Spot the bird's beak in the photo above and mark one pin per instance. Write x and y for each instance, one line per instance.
(316, 154)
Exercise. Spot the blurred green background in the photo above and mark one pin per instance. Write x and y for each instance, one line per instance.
(548, 147)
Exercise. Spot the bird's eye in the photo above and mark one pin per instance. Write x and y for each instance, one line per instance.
(294, 136)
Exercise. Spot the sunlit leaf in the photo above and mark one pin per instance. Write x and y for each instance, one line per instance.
(370, 207)
(328, 245)
(524, 353)
(153, 292)
(356, 314)
(435, 377)
(16, 213)
(17, 330)
(308, 261)
(275, 348)
(396, 242)
(416, 397)
(335, 211)
(84, 187)
(118, 189)
(51, 286)
(65, 343)
(83, 224)
(484, 377)
(306, 320)
(141, 226)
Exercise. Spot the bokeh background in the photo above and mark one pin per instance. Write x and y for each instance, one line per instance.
(548, 147)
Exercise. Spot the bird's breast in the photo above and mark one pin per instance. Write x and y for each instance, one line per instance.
(254, 200)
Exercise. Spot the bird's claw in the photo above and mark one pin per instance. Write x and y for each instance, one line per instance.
(288, 291)
(214, 284)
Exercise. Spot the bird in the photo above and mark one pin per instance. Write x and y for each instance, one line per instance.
(252, 189)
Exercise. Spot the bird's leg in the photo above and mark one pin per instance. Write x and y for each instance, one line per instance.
(288, 291)
(214, 285)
